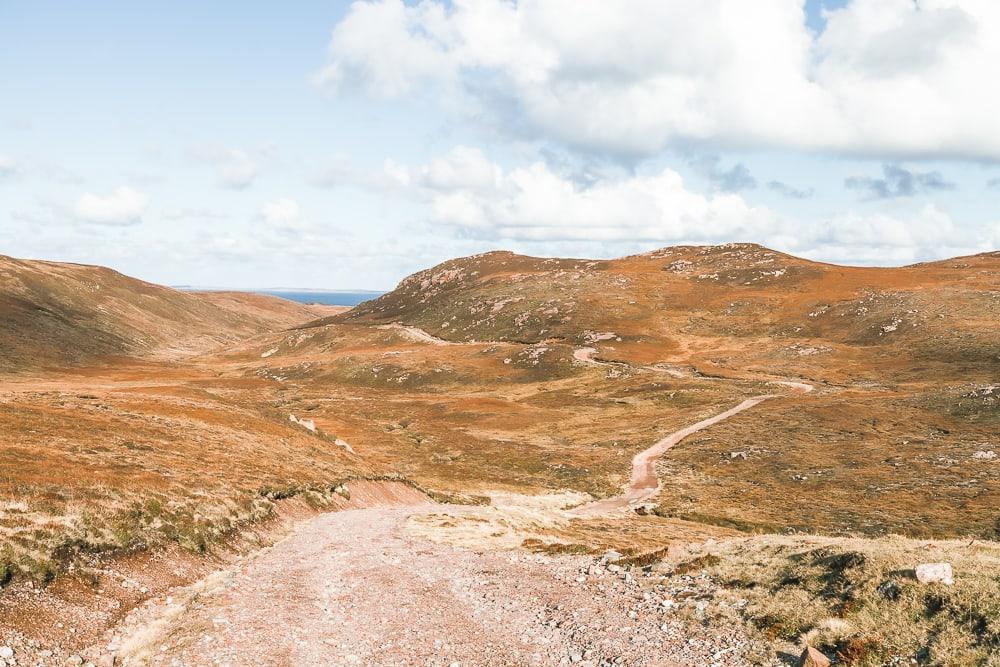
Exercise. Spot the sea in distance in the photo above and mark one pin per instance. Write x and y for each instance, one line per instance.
(331, 298)
(325, 297)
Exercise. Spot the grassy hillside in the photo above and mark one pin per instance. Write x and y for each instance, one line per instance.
(54, 314)
(668, 303)
(905, 361)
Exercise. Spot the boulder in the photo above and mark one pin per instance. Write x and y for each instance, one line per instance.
(812, 658)
(935, 573)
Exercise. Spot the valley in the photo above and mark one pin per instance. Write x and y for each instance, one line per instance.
(761, 440)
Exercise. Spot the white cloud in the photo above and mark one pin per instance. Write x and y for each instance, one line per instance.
(234, 168)
(901, 237)
(889, 77)
(536, 207)
(533, 203)
(282, 213)
(403, 55)
(462, 167)
(124, 206)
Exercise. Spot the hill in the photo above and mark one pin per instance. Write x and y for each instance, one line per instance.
(905, 361)
(56, 314)
(498, 375)
(667, 304)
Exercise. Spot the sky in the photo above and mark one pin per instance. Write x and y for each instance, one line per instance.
(344, 145)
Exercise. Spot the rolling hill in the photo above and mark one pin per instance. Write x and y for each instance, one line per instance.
(669, 303)
(56, 313)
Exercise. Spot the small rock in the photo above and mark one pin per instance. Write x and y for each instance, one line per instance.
(74, 660)
(107, 660)
(6, 652)
(931, 573)
(738, 455)
(985, 455)
(812, 658)
(646, 509)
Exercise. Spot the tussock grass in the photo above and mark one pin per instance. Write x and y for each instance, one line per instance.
(858, 600)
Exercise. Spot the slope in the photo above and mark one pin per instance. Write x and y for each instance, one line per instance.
(55, 314)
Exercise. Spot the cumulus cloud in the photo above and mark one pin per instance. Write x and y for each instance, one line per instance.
(898, 182)
(887, 77)
(417, 55)
(462, 167)
(234, 168)
(534, 203)
(886, 238)
(535, 206)
(124, 206)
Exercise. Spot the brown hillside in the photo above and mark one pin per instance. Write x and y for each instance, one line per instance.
(900, 435)
(656, 303)
(55, 313)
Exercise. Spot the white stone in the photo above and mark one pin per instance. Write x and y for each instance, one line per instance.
(930, 573)
(6, 652)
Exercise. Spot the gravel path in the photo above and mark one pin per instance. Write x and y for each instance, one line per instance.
(357, 588)
(643, 482)
(419, 335)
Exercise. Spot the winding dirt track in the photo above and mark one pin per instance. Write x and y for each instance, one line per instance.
(418, 334)
(357, 587)
(643, 482)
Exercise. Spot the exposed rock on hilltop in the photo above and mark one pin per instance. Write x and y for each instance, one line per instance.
(728, 293)
(56, 313)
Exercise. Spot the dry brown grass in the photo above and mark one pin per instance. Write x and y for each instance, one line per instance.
(130, 454)
(857, 599)
(108, 462)
(479, 416)
(846, 462)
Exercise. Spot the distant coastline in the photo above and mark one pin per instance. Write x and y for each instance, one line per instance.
(302, 295)
(337, 298)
